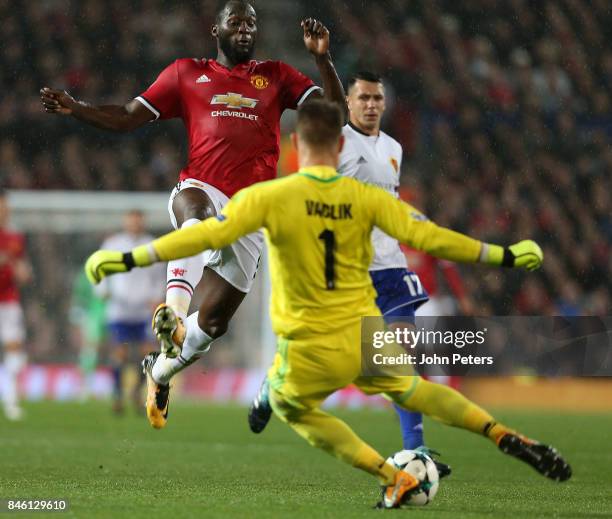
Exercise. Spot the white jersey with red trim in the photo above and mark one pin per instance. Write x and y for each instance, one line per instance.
(376, 160)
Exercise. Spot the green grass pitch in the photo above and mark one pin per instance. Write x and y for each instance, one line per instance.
(206, 463)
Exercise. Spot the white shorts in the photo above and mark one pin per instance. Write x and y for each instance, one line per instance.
(12, 328)
(238, 263)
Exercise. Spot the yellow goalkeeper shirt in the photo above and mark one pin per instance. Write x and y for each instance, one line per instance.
(317, 225)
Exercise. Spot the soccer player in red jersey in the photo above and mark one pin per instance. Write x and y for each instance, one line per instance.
(231, 109)
(14, 270)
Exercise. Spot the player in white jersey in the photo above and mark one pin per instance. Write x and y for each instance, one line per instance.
(130, 299)
(373, 157)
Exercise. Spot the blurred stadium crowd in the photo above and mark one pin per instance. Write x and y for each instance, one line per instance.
(503, 109)
(504, 112)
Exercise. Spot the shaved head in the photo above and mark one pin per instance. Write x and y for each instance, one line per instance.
(235, 30)
(225, 7)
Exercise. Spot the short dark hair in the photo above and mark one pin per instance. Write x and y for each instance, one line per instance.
(222, 4)
(363, 75)
(319, 123)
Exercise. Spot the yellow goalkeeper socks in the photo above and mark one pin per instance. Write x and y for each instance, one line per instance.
(366, 458)
(451, 407)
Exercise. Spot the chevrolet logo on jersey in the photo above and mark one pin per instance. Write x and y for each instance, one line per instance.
(232, 100)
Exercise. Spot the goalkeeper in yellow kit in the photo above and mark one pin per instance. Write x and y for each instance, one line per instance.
(317, 225)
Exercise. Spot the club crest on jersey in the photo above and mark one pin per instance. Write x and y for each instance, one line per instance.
(395, 165)
(232, 100)
(259, 82)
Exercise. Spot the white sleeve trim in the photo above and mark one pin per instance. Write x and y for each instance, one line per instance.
(484, 252)
(149, 106)
(307, 93)
(153, 256)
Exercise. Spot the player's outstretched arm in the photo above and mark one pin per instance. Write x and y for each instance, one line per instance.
(410, 226)
(111, 117)
(209, 234)
(316, 40)
(175, 245)
(244, 213)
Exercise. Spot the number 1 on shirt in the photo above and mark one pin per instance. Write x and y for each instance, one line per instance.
(330, 244)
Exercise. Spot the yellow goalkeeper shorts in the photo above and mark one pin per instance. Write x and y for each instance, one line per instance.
(306, 371)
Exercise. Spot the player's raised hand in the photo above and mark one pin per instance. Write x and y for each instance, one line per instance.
(56, 101)
(316, 36)
(104, 263)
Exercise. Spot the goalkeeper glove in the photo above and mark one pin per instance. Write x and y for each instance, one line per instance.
(524, 254)
(104, 263)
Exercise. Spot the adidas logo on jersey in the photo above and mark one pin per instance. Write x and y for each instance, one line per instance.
(203, 79)
(362, 161)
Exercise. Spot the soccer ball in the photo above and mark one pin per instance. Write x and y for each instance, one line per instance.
(422, 467)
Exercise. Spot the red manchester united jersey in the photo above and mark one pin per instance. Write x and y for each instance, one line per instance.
(232, 116)
(11, 249)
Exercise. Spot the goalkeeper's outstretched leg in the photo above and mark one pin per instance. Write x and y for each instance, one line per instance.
(335, 437)
(451, 407)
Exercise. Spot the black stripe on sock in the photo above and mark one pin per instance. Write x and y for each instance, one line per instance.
(186, 362)
(180, 281)
(488, 427)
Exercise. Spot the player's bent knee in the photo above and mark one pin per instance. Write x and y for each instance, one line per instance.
(192, 203)
(196, 211)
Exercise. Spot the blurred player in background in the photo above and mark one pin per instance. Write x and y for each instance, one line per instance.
(373, 157)
(88, 317)
(15, 270)
(318, 228)
(231, 108)
(129, 301)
